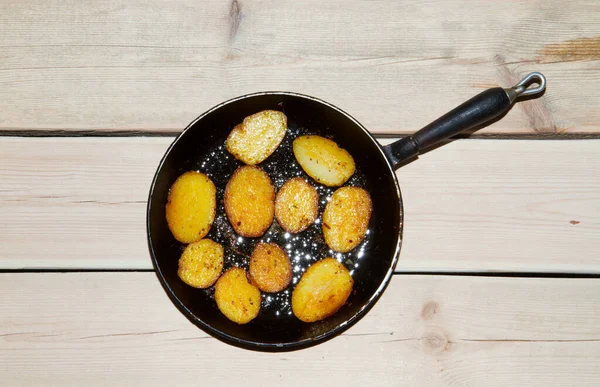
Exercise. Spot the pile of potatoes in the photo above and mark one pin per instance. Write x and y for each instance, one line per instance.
(251, 204)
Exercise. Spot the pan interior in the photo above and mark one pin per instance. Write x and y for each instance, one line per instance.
(201, 147)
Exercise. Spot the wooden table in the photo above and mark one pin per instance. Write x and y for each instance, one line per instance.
(497, 283)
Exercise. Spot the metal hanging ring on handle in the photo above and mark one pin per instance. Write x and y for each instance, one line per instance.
(522, 88)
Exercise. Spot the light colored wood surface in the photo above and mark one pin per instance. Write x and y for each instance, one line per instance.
(471, 205)
(523, 206)
(156, 65)
(121, 329)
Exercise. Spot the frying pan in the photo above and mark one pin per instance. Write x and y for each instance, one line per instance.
(201, 147)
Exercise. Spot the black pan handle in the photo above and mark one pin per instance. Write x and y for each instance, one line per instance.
(480, 109)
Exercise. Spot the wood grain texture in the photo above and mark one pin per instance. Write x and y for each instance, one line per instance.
(120, 329)
(471, 205)
(394, 65)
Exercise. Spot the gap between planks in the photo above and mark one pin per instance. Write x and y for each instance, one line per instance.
(396, 273)
(43, 133)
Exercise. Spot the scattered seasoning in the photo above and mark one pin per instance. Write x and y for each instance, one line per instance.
(304, 248)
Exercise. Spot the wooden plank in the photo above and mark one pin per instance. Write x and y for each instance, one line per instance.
(120, 328)
(472, 205)
(156, 65)
(503, 206)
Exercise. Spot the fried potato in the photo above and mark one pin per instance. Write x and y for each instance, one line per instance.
(257, 137)
(201, 263)
(322, 290)
(296, 205)
(323, 160)
(346, 218)
(191, 207)
(237, 298)
(270, 268)
(250, 201)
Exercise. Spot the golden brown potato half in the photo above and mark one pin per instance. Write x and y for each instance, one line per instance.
(201, 263)
(322, 290)
(270, 268)
(191, 207)
(257, 137)
(323, 160)
(296, 205)
(236, 297)
(346, 218)
(250, 201)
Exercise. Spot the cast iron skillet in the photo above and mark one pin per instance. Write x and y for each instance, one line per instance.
(200, 147)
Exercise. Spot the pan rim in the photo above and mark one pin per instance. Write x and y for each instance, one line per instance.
(291, 345)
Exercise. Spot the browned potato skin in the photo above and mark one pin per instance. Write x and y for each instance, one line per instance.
(250, 201)
(296, 205)
(322, 290)
(257, 137)
(201, 263)
(191, 207)
(346, 218)
(236, 297)
(323, 160)
(270, 268)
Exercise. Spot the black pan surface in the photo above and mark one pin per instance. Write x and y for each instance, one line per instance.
(201, 147)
